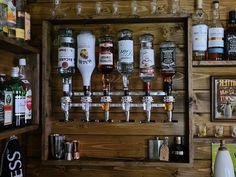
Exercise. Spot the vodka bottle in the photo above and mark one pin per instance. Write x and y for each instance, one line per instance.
(199, 33)
(147, 62)
(86, 58)
(28, 91)
(18, 98)
(215, 35)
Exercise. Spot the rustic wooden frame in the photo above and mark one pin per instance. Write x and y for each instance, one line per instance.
(218, 108)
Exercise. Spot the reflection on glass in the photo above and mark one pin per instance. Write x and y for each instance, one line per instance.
(153, 7)
(98, 8)
(79, 9)
(134, 7)
(115, 8)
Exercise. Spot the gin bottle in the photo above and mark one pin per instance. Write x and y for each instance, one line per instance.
(199, 33)
(215, 35)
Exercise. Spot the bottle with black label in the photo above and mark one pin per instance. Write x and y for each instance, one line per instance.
(177, 150)
(230, 37)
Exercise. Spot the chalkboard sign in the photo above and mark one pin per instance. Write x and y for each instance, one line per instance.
(223, 98)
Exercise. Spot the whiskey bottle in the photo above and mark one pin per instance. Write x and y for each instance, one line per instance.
(177, 150)
(2, 99)
(18, 98)
(215, 35)
(199, 33)
(28, 91)
(20, 20)
(230, 37)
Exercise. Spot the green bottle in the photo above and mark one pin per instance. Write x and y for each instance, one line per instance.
(18, 98)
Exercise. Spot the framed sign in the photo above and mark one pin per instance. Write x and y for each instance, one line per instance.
(223, 98)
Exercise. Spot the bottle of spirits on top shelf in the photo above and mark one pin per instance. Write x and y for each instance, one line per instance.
(20, 20)
(199, 33)
(230, 37)
(215, 35)
(11, 18)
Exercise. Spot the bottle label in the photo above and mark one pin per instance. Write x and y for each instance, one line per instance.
(66, 57)
(178, 152)
(105, 58)
(19, 105)
(8, 107)
(3, 24)
(199, 37)
(86, 56)
(28, 105)
(11, 15)
(66, 40)
(20, 33)
(216, 36)
(125, 53)
(168, 59)
(146, 58)
(231, 45)
(1, 111)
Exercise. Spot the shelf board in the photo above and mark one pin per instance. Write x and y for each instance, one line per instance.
(212, 139)
(14, 46)
(124, 162)
(214, 63)
(7, 133)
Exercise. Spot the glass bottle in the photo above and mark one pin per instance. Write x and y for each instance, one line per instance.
(11, 18)
(199, 33)
(18, 98)
(125, 54)
(3, 17)
(86, 58)
(2, 99)
(28, 91)
(230, 37)
(20, 20)
(177, 150)
(215, 35)
(66, 58)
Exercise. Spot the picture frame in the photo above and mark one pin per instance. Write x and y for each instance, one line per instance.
(223, 98)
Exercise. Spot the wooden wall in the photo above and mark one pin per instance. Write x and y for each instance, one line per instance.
(40, 10)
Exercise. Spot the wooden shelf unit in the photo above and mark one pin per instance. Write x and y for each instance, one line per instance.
(101, 141)
(214, 63)
(10, 50)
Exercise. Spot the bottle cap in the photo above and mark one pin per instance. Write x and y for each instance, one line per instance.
(178, 140)
(22, 62)
(232, 16)
(15, 72)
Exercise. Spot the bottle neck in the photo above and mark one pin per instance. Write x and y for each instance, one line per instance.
(22, 72)
(216, 13)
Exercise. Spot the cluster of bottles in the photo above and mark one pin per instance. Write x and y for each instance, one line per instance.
(15, 98)
(211, 42)
(161, 149)
(14, 20)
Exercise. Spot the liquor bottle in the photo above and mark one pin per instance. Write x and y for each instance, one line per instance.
(11, 18)
(125, 55)
(3, 17)
(2, 99)
(147, 62)
(66, 58)
(20, 20)
(230, 37)
(18, 98)
(28, 91)
(177, 150)
(106, 53)
(199, 33)
(86, 58)
(215, 35)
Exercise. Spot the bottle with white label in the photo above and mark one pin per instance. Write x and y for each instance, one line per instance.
(28, 91)
(18, 98)
(199, 33)
(86, 58)
(215, 35)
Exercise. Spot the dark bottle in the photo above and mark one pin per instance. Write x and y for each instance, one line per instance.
(18, 98)
(178, 150)
(230, 37)
(11, 18)
(2, 99)
(28, 91)
(20, 20)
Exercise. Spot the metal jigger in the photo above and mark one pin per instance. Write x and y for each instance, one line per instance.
(68, 151)
(106, 100)
(65, 106)
(147, 106)
(86, 100)
(126, 104)
(169, 107)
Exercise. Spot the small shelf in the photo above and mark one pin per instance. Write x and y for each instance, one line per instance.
(212, 139)
(122, 162)
(214, 63)
(7, 133)
(17, 47)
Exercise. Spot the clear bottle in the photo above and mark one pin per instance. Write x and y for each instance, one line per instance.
(20, 21)
(147, 61)
(11, 18)
(18, 98)
(199, 33)
(215, 35)
(178, 150)
(125, 52)
(230, 37)
(28, 91)
(86, 58)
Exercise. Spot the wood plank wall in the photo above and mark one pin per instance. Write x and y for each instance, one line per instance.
(40, 10)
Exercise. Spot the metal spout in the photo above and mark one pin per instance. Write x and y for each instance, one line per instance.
(86, 100)
(66, 106)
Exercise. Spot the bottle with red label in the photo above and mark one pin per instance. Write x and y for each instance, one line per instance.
(28, 91)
